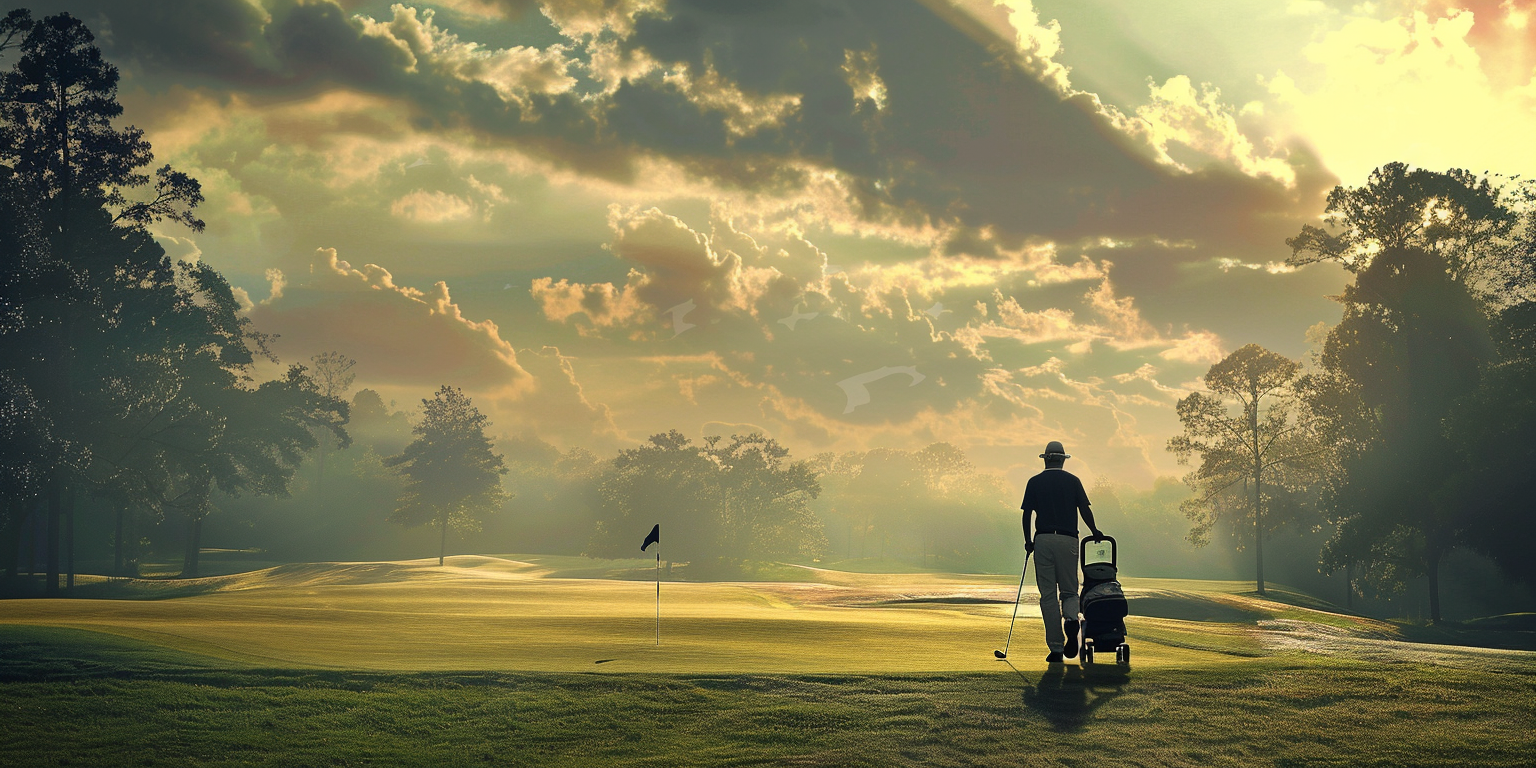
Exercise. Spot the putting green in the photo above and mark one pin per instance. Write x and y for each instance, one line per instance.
(487, 613)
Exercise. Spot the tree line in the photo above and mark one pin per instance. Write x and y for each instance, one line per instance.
(1411, 432)
(128, 379)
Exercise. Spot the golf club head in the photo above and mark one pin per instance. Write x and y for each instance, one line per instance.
(1000, 654)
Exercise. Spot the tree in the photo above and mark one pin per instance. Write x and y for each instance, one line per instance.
(100, 279)
(56, 110)
(267, 431)
(669, 481)
(333, 376)
(32, 444)
(1431, 255)
(765, 498)
(452, 472)
(212, 429)
(1495, 428)
(740, 499)
(1252, 461)
(1461, 219)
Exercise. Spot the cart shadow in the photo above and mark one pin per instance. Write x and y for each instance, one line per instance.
(1067, 695)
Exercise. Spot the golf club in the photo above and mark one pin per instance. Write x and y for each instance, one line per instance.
(1003, 654)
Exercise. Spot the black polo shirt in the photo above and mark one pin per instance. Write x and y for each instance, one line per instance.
(1055, 496)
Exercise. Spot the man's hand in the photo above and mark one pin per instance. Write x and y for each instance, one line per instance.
(1029, 547)
(1097, 534)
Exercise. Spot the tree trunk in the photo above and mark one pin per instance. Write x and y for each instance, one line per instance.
(1258, 537)
(51, 550)
(10, 546)
(1349, 589)
(1258, 496)
(194, 544)
(69, 539)
(131, 552)
(117, 540)
(320, 481)
(1434, 586)
(30, 531)
(442, 546)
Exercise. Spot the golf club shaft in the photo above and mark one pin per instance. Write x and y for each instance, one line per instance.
(1016, 599)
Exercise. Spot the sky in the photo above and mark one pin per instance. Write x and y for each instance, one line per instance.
(847, 225)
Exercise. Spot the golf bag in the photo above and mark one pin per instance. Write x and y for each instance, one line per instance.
(1103, 601)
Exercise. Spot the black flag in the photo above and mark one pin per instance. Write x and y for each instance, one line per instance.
(653, 538)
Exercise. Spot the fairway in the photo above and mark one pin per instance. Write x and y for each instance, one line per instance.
(510, 615)
(531, 660)
(74, 698)
(497, 614)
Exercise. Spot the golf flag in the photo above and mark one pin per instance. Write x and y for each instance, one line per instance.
(654, 537)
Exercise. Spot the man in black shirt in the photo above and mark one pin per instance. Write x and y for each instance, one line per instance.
(1056, 497)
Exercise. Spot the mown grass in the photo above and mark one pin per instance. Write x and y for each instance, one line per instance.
(69, 697)
(503, 615)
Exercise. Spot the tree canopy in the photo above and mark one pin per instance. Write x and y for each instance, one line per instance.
(452, 472)
(128, 375)
(739, 499)
(1256, 452)
(1435, 256)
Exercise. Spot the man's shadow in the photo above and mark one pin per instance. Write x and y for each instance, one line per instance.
(1067, 694)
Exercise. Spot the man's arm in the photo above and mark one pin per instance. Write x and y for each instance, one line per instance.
(1029, 509)
(1088, 518)
(1084, 510)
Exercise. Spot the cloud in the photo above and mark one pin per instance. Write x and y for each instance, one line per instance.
(765, 99)
(1195, 347)
(399, 335)
(556, 406)
(589, 18)
(862, 72)
(432, 207)
(672, 265)
(516, 73)
(408, 342)
(743, 114)
(1437, 86)
(179, 248)
(1114, 321)
(1198, 120)
(856, 161)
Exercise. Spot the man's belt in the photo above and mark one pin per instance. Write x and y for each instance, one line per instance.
(1073, 534)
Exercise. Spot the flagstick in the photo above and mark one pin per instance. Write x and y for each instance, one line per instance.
(658, 593)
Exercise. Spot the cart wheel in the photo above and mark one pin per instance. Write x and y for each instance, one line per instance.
(1123, 654)
(1088, 654)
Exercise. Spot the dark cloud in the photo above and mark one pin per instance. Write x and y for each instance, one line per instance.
(885, 108)
(966, 136)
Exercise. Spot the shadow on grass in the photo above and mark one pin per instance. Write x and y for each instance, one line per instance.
(1511, 632)
(1067, 695)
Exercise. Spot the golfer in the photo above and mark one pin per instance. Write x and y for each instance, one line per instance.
(1055, 497)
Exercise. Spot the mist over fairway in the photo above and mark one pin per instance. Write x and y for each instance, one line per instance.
(488, 613)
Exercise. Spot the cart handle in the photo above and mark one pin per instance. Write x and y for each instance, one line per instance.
(1114, 550)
